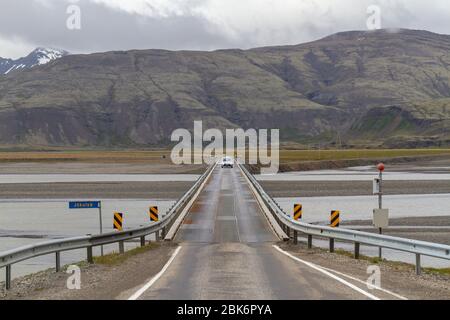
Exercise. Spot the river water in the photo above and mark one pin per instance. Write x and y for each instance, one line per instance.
(355, 174)
(24, 222)
(317, 209)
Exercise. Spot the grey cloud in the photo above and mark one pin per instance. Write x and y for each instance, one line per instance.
(104, 28)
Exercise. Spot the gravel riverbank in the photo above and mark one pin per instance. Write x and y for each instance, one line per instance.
(282, 189)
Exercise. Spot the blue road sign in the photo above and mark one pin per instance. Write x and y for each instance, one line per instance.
(84, 205)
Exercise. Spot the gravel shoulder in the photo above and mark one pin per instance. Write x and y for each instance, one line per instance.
(74, 167)
(98, 281)
(280, 189)
(105, 190)
(397, 277)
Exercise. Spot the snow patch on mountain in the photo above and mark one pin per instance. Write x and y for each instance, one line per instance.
(39, 56)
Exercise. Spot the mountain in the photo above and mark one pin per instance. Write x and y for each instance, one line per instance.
(37, 57)
(377, 88)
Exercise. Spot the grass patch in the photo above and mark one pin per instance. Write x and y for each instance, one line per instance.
(396, 264)
(80, 264)
(444, 271)
(117, 258)
(374, 260)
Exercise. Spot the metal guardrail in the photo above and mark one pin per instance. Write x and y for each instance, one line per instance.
(8, 258)
(357, 237)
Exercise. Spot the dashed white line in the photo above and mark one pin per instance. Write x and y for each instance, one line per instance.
(147, 286)
(320, 269)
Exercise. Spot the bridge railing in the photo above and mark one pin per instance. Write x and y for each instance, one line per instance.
(88, 242)
(357, 237)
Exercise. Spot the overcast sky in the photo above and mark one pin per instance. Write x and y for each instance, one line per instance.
(199, 24)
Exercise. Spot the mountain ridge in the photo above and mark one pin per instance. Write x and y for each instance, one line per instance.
(368, 88)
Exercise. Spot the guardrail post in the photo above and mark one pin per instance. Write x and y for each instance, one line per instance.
(357, 245)
(288, 231)
(90, 257)
(58, 261)
(8, 277)
(143, 241)
(309, 241)
(121, 247)
(418, 266)
(157, 235)
(295, 237)
(331, 245)
(163, 233)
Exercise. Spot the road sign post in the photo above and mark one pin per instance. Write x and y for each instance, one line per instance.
(90, 205)
(379, 190)
(101, 224)
(335, 221)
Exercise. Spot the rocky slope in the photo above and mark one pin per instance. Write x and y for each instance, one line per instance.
(353, 88)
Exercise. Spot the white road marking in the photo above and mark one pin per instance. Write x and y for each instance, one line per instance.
(363, 282)
(147, 286)
(320, 269)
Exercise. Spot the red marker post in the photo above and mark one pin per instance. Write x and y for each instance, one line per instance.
(380, 168)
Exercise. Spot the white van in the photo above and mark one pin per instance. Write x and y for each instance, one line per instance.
(227, 162)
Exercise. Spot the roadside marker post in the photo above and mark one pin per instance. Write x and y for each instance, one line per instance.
(118, 221)
(8, 277)
(335, 218)
(118, 225)
(381, 216)
(101, 224)
(154, 214)
(334, 223)
(298, 211)
(90, 205)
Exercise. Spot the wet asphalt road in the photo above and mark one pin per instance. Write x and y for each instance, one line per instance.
(227, 253)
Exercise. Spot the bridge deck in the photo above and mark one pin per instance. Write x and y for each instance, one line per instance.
(227, 253)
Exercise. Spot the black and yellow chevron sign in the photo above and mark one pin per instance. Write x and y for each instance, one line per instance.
(334, 219)
(298, 211)
(154, 215)
(118, 221)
